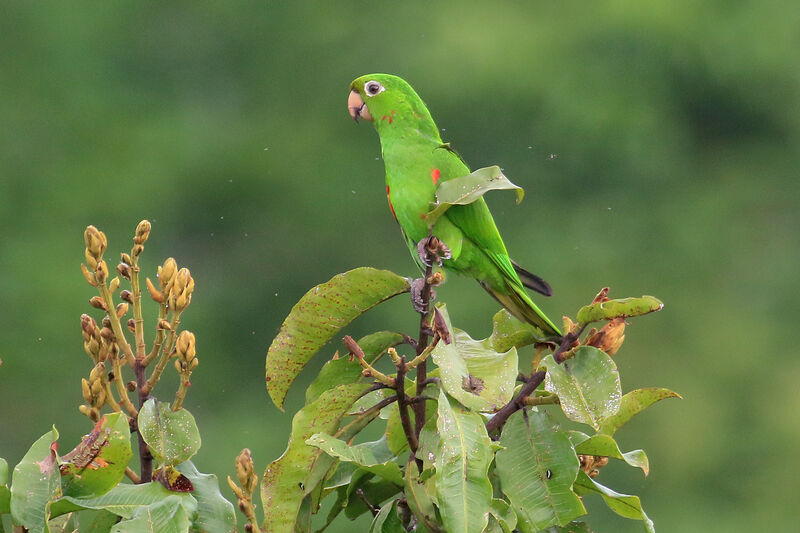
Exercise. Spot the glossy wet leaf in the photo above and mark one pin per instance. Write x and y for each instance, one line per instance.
(587, 385)
(215, 514)
(467, 189)
(283, 486)
(374, 456)
(462, 463)
(340, 371)
(172, 436)
(35, 483)
(164, 516)
(124, 499)
(623, 504)
(536, 468)
(624, 307)
(98, 463)
(632, 404)
(605, 445)
(474, 373)
(316, 318)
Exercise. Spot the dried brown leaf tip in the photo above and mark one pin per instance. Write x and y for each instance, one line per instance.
(610, 338)
(591, 464)
(440, 327)
(602, 296)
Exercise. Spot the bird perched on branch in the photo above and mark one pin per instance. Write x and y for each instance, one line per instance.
(417, 162)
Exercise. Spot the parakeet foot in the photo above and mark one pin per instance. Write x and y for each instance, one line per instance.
(431, 250)
(419, 303)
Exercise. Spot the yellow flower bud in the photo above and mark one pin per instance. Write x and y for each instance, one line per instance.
(101, 271)
(97, 302)
(142, 232)
(88, 275)
(155, 294)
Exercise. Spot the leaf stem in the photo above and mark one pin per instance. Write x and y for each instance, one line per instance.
(166, 353)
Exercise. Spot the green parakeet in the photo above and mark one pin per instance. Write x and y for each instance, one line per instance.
(417, 161)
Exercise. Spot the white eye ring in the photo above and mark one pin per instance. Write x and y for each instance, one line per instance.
(371, 88)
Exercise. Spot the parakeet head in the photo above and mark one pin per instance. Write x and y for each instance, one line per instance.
(388, 100)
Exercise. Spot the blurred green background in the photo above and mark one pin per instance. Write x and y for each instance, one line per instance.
(658, 144)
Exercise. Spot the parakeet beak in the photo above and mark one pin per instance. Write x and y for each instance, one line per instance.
(357, 107)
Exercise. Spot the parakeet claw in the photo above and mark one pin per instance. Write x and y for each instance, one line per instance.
(431, 249)
(416, 295)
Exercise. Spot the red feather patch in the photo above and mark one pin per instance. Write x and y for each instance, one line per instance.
(435, 175)
(390, 202)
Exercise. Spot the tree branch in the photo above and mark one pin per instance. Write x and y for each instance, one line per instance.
(501, 416)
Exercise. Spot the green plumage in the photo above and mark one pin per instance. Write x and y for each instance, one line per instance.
(416, 161)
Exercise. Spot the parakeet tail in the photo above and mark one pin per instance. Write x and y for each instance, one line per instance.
(521, 306)
(532, 281)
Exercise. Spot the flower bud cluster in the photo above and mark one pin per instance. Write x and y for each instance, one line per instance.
(186, 353)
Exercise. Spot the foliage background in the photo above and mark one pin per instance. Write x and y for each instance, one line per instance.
(658, 143)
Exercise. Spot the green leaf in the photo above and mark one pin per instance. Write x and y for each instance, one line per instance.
(215, 514)
(536, 468)
(587, 385)
(98, 463)
(418, 496)
(502, 518)
(395, 436)
(35, 483)
(5, 493)
(165, 516)
(283, 486)
(623, 504)
(624, 307)
(374, 456)
(572, 527)
(467, 189)
(463, 489)
(342, 370)
(124, 499)
(387, 520)
(632, 404)
(472, 372)
(376, 491)
(510, 332)
(91, 521)
(319, 314)
(606, 446)
(172, 436)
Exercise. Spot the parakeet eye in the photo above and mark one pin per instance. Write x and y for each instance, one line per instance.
(373, 87)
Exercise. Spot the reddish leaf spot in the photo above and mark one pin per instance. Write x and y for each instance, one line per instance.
(435, 175)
